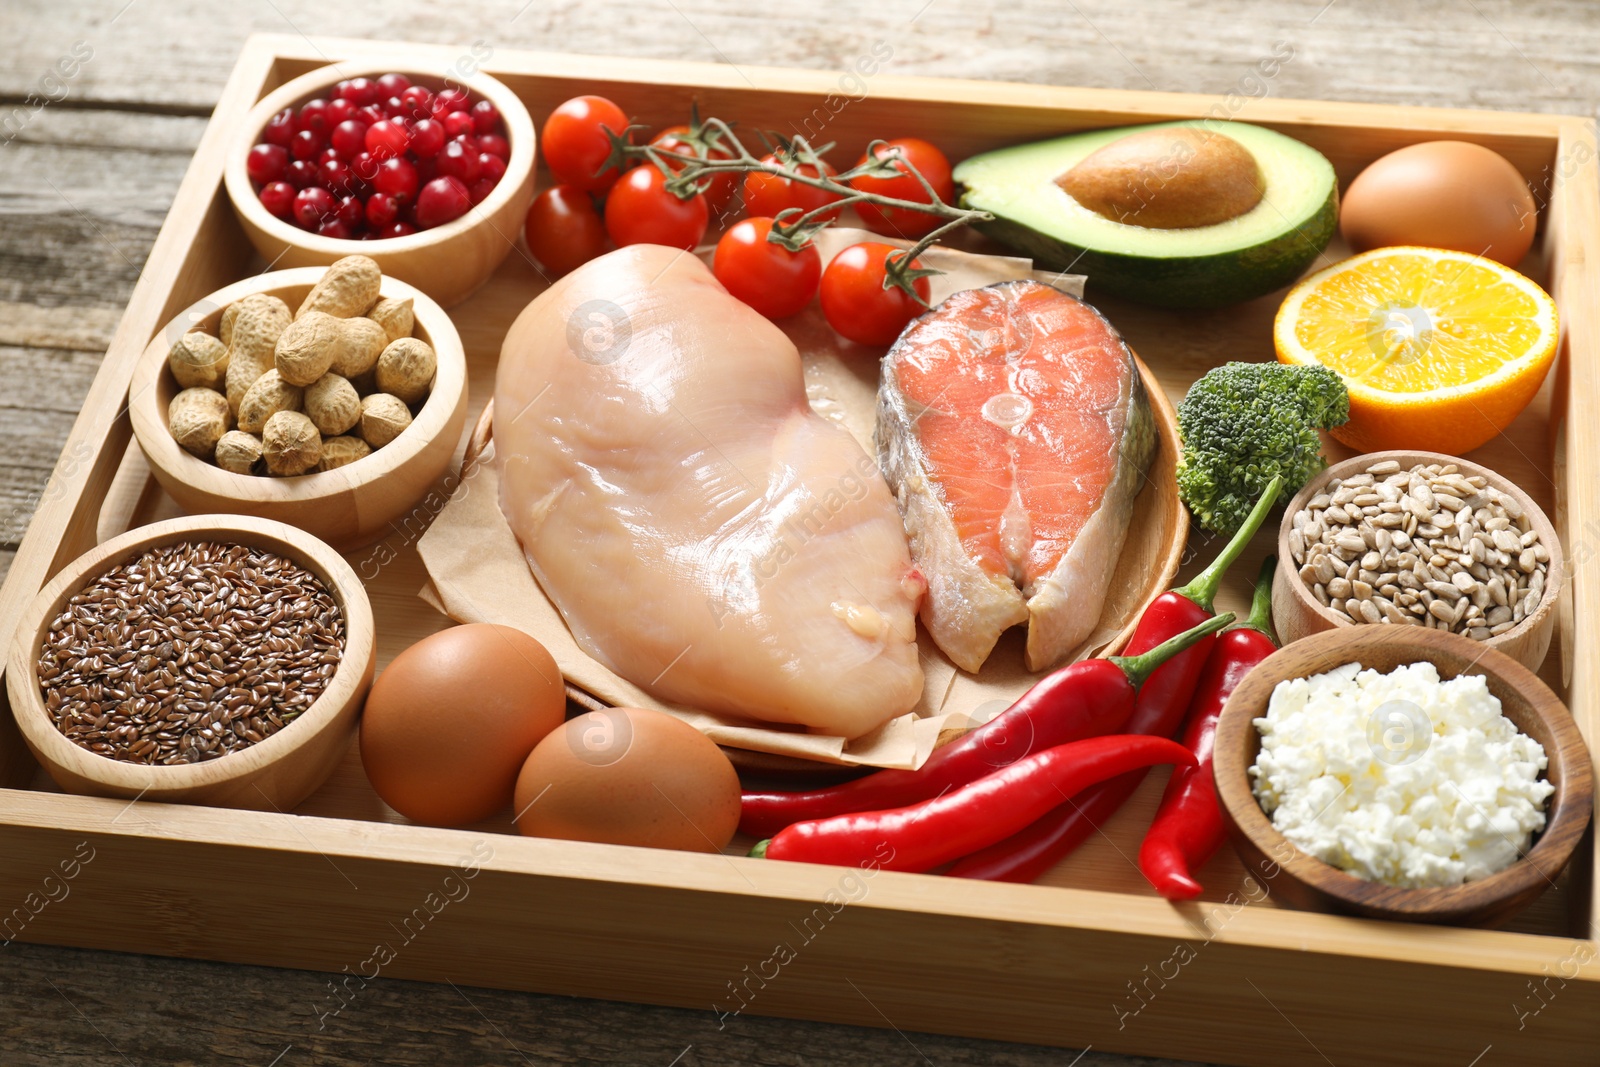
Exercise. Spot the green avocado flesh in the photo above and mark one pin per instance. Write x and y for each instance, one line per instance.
(1263, 249)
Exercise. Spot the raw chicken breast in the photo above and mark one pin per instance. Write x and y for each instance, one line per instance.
(1014, 427)
(703, 532)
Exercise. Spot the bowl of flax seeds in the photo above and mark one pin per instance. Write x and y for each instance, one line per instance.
(213, 659)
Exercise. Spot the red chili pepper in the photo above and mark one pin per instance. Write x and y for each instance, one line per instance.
(1082, 699)
(1159, 711)
(1085, 699)
(1188, 827)
(926, 834)
(967, 818)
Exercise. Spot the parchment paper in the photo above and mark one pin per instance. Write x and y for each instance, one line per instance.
(478, 573)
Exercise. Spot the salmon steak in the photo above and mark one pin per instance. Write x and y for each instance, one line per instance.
(1015, 431)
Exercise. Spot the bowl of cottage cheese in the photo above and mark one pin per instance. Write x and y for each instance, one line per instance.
(1404, 774)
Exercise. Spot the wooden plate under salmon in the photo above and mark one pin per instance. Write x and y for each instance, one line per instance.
(1015, 431)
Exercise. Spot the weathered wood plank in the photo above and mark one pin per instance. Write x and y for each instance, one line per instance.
(32, 441)
(1494, 53)
(69, 260)
(83, 195)
(43, 389)
(64, 1006)
(84, 329)
(44, 379)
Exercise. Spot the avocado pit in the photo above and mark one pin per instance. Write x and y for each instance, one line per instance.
(1169, 178)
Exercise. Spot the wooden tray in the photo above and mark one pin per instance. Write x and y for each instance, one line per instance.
(1090, 958)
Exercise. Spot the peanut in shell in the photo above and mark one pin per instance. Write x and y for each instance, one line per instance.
(349, 288)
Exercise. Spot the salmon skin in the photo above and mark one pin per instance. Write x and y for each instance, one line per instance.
(1016, 432)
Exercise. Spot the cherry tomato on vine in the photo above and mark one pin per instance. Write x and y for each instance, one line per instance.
(721, 187)
(899, 221)
(575, 146)
(641, 210)
(856, 302)
(766, 195)
(564, 230)
(770, 278)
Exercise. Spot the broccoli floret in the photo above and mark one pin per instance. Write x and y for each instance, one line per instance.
(1241, 424)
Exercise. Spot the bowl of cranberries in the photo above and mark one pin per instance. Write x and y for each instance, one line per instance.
(424, 172)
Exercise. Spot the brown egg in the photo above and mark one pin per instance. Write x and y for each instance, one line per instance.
(450, 722)
(1441, 194)
(628, 776)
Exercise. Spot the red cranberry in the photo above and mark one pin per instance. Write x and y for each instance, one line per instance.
(340, 110)
(469, 142)
(457, 123)
(441, 201)
(314, 117)
(398, 178)
(490, 167)
(301, 174)
(386, 138)
(370, 114)
(278, 199)
(306, 145)
(349, 137)
(495, 145)
(337, 228)
(326, 155)
(427, 169)
(361, 91)
(266, 163)
(365, 166)
(335, 176)
(280, 128)
(310, 205)
(450, 100)
(457, 162)
(481, 189)
(427, 137)
(382, 209)
(393, 84)
(485, 117)
(351, 212)
(395, 108)
(418, 102)
(399, 229)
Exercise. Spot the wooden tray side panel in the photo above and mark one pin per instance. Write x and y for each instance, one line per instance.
(841, 956)
(972, 116)
(1573, 228)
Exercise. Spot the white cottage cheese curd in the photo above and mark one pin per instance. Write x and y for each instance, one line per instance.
(1399, 778)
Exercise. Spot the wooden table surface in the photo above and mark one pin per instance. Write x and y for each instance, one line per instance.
(86, 181)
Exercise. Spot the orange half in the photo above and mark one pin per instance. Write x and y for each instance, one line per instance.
(1440, 350)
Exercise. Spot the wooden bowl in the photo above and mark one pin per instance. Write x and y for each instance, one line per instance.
(1297, 613)
(1303, 880)
(447, 262)
(274, 774)
(347, 507)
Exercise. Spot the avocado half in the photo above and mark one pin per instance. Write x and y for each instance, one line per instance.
(1263, 249)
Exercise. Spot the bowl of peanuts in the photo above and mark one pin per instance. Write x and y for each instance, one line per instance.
(1419, 539)
(332, 399)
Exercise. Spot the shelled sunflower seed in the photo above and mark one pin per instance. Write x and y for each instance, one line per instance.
(189, 652)
(1429, 546)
